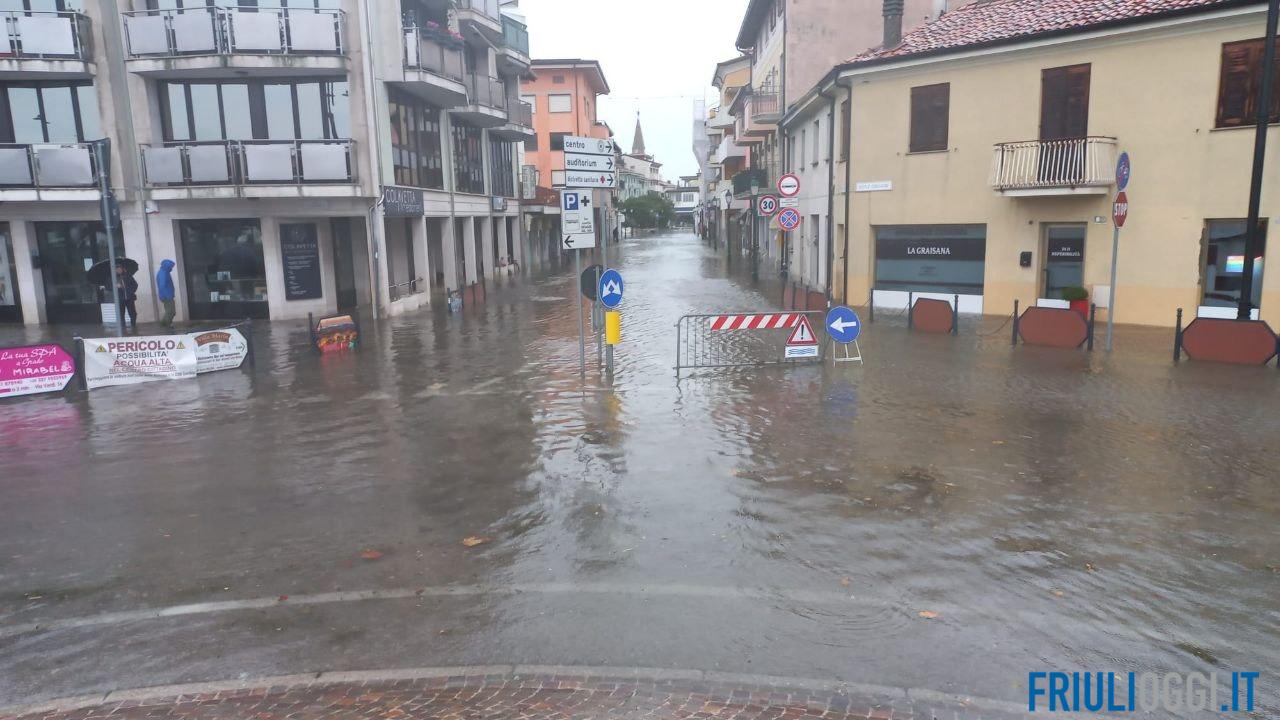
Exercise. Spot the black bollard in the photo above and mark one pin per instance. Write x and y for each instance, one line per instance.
(1015, 321)
(1177, 338)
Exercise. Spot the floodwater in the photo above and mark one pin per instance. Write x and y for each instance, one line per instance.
(1055, 510)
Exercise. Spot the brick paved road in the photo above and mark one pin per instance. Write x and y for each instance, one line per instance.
(540, 697)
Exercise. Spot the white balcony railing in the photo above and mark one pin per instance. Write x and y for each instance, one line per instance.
(44, 35)
(47, 166)
(1087, 162)
(231, 30)
(434, 55)
(248, 162)
(728, 149)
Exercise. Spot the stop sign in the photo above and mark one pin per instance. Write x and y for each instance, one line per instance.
(1120, 209)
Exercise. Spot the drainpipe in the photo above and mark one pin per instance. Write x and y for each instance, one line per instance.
(831, 192)
(848, 175)
(374, 219)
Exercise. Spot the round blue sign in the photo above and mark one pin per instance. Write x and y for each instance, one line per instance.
(611, 287)
(789, 219)
(843, 324)
(1123, 170)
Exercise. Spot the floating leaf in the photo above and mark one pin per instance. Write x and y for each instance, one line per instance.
(928, 614)
(370, 554)
(474, 540)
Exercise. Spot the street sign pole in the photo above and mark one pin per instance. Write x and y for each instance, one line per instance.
(1119, 213)
(1251, 230)
(102, 153)
(1111, 307)
(582, 338)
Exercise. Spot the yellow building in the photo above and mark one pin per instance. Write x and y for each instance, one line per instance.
(978, 157)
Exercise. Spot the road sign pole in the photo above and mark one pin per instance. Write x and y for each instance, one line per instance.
(1111, 304)
(582, 338)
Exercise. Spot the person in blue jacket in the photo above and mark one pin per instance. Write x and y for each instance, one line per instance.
(165, 291)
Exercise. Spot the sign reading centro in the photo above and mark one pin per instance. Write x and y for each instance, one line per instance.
(128, 361)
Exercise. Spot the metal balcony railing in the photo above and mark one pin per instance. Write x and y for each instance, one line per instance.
(487, 91)
(521, 113)
(248, 162)
(1054, 164)
(47, 166)
(751, 177)
(423, 51)
(515, 35)
(763, 107)
(232, 30)
(45, 35)
(484, 7)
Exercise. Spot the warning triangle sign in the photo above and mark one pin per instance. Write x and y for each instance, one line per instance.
(803, 334)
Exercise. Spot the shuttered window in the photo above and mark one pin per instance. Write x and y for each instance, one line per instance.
(1241, 84)
(1064, 102)
(845, 119)
(930, 117)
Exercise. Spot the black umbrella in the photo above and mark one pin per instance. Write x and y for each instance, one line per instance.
(101, 273)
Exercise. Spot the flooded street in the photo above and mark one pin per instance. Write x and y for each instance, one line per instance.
(1055, 510)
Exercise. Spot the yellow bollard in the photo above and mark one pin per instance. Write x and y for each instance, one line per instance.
(612, 327)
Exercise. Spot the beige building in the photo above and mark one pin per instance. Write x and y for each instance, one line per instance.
(982, 152)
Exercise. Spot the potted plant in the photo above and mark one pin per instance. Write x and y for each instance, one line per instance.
(1078, 297)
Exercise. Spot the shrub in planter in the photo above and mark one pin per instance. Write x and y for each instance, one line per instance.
(1078, 297)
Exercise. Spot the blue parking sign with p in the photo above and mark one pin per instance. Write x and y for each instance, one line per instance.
(571, 201)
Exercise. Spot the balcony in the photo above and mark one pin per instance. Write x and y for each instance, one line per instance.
(34, 45)
(48, 172)
(230, 41)
(519, 125)
(486, 104)
(433, 67)
(744, 181)
(1080, 166)
(513, 52)
(728, 150)
(763, 109)
(482, 16)
(250, 168)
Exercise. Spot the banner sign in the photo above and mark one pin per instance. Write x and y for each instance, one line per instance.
(300, 258)
(128, 361)
(219, 350)
(336, 334)
(34, 369)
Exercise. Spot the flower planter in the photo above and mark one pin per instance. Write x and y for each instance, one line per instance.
(1082, 307)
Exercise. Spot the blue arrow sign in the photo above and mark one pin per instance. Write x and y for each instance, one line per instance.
(611, 287)
(843, 324)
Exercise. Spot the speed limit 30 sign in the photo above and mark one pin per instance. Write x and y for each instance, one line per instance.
(767, 205)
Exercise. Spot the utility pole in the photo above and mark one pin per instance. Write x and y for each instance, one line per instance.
(1252, 230)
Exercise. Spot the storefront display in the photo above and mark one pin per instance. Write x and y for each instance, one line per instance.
(10, 305)
(66, 252)
(948, 259)
(225, 272)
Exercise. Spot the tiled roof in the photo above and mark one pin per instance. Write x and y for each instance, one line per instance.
(1000, 20)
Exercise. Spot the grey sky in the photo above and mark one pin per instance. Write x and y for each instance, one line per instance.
(658, 56)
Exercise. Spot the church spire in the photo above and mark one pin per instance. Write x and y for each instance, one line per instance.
(637, 145)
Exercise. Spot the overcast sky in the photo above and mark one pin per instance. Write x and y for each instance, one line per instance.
(658, 56)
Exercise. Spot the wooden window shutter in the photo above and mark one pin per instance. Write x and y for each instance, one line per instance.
(930, 117)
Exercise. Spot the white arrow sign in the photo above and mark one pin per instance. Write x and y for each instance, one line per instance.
(841, 323)
(579, 242)
(582, 179)
(587, 145)
(588, 162)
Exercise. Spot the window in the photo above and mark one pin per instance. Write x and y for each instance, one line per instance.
(1222, 274)
(1064, 103)
(226, 276)
(804, 139)
(930, 117)
(502, 168)
(559, 103)
(531, 145)
(817, 140)
(468, 159)
(845, 128)
(532, 100)
(1240, 85)
(416, 152)
(55, 112)
(239, 110)
(557, 140)
(557, 79)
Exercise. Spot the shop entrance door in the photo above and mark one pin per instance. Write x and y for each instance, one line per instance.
(10, 299)
(1063, 259)
(67, 251)
(344, 264)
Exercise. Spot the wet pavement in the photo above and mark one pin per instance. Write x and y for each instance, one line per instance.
(1048, 509)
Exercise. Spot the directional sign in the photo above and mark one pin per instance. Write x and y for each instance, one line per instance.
(767, 205)
(1124, 169)
(587, 145)
(588, 163)
(611, 287)
(1120, 209)
(789, 219)
(803, 342)
(789, 185)
(843, 325)
(577, 220)
(583, 179)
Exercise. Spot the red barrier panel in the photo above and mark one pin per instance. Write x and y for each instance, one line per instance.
(932, 316)
(1053, 327)
(1240, 342)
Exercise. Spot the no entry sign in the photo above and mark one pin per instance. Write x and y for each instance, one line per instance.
(789, 185)
(1120, 209)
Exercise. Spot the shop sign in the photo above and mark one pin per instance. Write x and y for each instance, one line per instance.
(300, 255)
(128, 361)
(219, 350)
(402, 202)
(338, 333)
(34, 369)
(1070, 250)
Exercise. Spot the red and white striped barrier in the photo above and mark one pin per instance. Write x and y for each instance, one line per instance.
(756, 322)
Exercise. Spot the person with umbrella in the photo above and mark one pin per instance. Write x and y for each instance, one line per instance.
(127, 291)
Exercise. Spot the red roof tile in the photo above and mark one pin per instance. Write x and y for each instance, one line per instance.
(995, 20)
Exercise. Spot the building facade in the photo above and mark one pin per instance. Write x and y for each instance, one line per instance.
(319, 156)
(951, 196)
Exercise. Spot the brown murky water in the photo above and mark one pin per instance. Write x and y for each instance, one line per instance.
(1056, 510)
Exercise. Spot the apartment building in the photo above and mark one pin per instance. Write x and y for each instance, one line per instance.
(307, 157)
(728, 213)
(983, 152)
